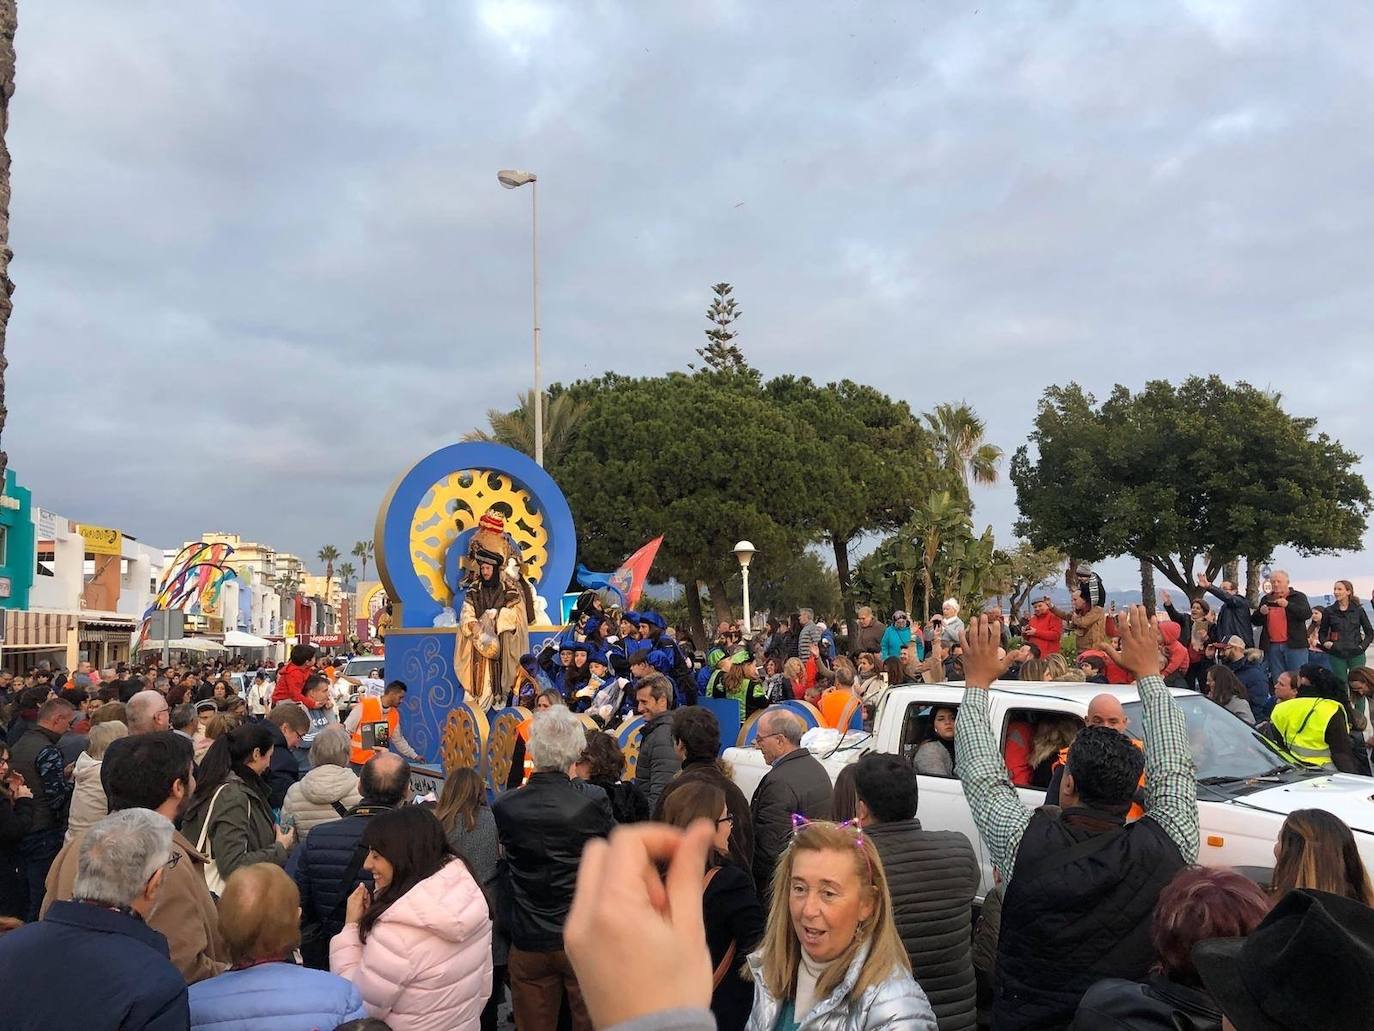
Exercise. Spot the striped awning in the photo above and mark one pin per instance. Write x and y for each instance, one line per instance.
(34, 631)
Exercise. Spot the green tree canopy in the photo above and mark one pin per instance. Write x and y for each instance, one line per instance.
(704, 460)
(1203, 470)
(870, 461)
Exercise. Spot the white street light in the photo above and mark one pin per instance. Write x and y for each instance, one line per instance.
(744, 551)
(512, 180)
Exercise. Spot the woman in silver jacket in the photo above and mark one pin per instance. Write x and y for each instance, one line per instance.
(831, 959)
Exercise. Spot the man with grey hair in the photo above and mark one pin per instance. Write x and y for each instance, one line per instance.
(148, 712)
(542, 828)
(868, 636)
(185, 718)
(797, 783)
(127, 980)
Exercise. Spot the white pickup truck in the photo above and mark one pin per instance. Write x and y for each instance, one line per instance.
(1245, 786)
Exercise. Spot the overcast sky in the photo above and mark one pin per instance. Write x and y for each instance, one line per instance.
(263, 263)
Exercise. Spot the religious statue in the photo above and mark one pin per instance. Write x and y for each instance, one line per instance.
(493, 627)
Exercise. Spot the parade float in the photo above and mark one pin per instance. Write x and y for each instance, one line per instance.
(476, 550)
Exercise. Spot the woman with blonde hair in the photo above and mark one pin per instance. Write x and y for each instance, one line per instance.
(1053, 736)
(1317, 850)
(1055, 666)
(831, 958)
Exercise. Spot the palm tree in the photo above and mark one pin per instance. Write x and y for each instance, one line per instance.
(363, 550)
(327, 555)
(346, 574)
(959, 445)
(515, 429)
(9, 23)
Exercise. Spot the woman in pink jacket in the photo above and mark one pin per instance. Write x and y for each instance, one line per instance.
(418, 946)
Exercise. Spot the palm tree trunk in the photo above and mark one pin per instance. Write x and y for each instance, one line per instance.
(1231, 571)
(842, 573)
(1147, 585)
(1253, 566)
(9, 23)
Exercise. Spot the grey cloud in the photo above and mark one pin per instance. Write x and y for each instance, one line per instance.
(261, 246)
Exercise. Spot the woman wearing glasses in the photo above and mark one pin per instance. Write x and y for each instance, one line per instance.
(734, 918)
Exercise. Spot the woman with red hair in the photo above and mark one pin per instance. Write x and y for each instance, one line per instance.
(1199, 904)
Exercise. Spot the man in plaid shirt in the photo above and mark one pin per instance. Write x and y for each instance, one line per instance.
(1081, 883)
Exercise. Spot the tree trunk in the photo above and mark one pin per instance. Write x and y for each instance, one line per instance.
(696, 622)
(842, 573)
(1253, 568)
(9, 23)
(720, 602)
(1147, 585)
(925, 602)
(1231, 571)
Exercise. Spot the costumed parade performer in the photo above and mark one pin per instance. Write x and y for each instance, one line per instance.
(498, 606)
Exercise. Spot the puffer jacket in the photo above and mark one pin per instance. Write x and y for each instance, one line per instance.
(426, 965)
(319, 796)
(89, 803)
(896, 1002)
(932, 877)
(274, 995)
(658, 762)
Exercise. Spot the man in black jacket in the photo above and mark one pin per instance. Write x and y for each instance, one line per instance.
(329, 864)
(932, 877)
(1282, 618)
(658, 763)
(542, 828)
(1233, 618)
(796, 785)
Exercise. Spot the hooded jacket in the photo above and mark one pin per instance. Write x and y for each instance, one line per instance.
(426, 964)
(1177, 655)
(290, 686)
(319, 796)
(89, 803)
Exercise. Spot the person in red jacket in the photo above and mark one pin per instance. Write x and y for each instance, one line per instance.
(1175, 654)
(1043, 629)
(292, 677)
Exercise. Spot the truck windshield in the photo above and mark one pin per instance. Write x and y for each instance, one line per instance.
(1223, 746)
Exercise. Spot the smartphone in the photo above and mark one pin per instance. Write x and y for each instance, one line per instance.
(288, 822)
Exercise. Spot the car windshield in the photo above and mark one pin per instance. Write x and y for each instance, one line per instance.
(363, 667)
(1223, 746)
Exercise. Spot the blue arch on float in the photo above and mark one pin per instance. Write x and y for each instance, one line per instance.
(395, 565)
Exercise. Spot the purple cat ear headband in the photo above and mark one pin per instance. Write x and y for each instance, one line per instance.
(799, 821)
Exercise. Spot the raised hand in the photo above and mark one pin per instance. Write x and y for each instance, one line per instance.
(981, 642)
(1138, 651)
(1203, 581)
(1164, 597)
(665, 964)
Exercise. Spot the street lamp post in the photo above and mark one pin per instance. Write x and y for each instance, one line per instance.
(744, 551)
(512, 180)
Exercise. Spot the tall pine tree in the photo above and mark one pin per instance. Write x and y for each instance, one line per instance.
(721, 353)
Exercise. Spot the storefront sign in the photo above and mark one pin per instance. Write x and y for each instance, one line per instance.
(101, 540)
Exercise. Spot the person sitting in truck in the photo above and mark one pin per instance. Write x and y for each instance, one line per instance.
(1081, 882)
(935, 757)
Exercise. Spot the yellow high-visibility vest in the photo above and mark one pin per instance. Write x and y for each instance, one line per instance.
(1302, 723)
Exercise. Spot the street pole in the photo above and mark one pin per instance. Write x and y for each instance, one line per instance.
(166, 636)
(538, 387)
(748, 628)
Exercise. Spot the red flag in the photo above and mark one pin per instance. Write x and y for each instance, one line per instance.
(633, 573)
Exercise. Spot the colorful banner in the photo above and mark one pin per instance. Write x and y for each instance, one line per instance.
(633, 573)
(102, 540)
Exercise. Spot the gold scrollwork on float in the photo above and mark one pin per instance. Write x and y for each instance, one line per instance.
(454, 505)
(464, 740)
(505, 727)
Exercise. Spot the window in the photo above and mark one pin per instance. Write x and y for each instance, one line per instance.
(46, 564)
(923, 743)
(4, 545)
(1031, 742)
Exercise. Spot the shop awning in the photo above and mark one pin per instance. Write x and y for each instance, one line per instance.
(37, 631)
(239, 639)
(186, 644)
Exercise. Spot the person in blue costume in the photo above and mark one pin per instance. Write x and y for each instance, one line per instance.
(578, 673)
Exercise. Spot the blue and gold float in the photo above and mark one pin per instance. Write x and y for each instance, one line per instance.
(475, 547)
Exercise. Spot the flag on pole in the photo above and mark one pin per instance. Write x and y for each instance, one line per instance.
(633, 573)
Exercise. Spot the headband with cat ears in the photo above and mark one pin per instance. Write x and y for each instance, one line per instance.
(799, 821)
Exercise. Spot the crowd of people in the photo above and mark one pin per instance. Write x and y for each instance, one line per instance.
(210, 858)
